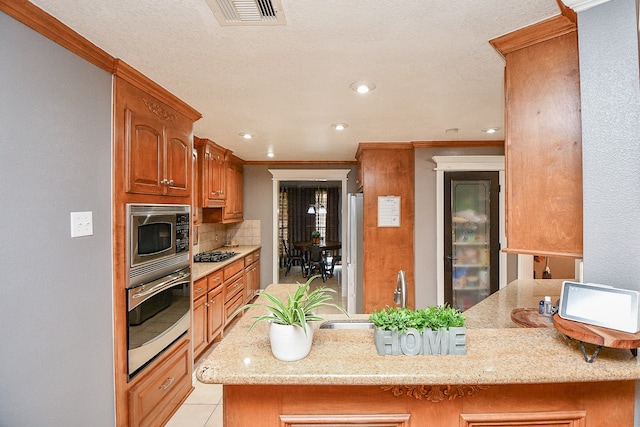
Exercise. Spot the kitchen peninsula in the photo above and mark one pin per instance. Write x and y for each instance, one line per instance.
(509, 375)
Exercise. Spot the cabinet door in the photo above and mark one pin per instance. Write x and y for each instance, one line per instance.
(215, 313)
(543, 149)
(253, 280)
(215, 180)
(177, 163)
(154, 398)
(230, 210)
(145, 153)
(199, 327)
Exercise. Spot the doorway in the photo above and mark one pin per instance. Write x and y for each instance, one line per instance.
(471, 238)
(446, 164)
(314, 176)
(306, 208)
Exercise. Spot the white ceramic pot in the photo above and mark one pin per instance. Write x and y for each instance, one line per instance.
(289, 342)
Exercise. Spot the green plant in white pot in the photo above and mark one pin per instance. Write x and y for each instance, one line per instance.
(290, 333)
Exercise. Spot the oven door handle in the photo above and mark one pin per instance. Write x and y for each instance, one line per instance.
(162, 285)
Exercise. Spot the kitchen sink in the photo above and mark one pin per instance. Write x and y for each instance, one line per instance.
(347, 324)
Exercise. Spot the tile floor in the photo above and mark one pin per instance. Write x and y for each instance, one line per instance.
(203, 407)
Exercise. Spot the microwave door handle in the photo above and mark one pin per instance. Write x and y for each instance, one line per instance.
(161, 286)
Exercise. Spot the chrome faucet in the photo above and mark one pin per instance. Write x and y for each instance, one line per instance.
(400, 294)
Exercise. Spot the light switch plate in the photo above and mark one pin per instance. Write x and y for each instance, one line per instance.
(81, 224)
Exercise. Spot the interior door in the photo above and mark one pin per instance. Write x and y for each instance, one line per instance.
(471, 237)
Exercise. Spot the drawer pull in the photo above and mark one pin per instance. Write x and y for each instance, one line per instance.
(167, 383)
(197, 291)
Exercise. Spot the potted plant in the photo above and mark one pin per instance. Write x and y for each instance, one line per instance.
(290, 333)
(315, 237)
(430, 330)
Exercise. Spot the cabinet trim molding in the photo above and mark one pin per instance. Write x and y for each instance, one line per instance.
(435, 393)
(533, 34)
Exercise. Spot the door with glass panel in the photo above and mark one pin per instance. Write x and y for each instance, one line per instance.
(471, 237)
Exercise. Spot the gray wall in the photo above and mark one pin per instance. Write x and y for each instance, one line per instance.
(425, 217)
(56, 336)
(610, 94)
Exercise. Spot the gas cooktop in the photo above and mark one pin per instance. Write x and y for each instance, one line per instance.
(213, 256)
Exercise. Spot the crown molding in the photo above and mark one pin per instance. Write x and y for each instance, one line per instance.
(582, 5)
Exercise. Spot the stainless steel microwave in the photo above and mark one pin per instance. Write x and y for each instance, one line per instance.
(157, 241)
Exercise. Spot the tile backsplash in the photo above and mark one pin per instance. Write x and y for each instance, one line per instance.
(215, 236)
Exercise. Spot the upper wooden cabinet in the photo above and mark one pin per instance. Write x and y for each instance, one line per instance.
(543, 143)
(233, 208)
(154, 136)
(210, 190)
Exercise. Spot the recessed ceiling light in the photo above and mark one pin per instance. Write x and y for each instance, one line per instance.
(270, 154)
(362, 87)
(246, 135)
(491, 130)
(340, 126)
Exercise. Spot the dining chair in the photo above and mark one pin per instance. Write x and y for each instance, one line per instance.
(294, 256)
(317, 261)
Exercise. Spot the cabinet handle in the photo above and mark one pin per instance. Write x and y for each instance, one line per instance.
(167, 383)
(213, 301)
(170, 182)
(217, 279)
(197, 291)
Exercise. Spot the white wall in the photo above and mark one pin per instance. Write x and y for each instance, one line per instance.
(56, 334)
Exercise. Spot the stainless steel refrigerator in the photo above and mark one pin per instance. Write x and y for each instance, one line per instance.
(354, 253)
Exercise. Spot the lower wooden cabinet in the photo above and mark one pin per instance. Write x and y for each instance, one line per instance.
(608, 403)
(218, 295)
(215, 316)
(208, 311)
(158, 394)
(252, 275)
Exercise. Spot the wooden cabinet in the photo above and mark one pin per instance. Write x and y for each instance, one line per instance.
(252, 275)
(543, 146)
(234, 296)
(199, 325)
(208, 307)
(212, 174)
(234, 209)
(608, 403)
(152, 163)
(387, 169)
(157, 144)
(161, 391)
(232, 200)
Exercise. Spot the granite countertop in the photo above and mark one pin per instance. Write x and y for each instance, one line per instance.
(201, 269)
(498, 352)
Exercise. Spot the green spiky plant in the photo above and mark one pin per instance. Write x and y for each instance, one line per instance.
(433, 317)
(297, 309)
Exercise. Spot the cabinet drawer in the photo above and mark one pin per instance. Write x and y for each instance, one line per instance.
(232, 305)
(199, 288)
(160, 393)
(248, 260)
(233, 287)
(233, 269)
(214, 279)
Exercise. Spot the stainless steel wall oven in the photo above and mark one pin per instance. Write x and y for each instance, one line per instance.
(159, 281)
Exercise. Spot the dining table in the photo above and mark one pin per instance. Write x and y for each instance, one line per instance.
(325, 246)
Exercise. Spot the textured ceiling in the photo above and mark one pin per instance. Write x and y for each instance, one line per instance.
(430, 59)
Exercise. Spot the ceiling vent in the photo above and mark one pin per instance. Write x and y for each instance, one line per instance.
(248, 12)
